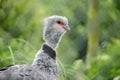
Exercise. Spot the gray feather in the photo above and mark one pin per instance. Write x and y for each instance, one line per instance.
(44, 66)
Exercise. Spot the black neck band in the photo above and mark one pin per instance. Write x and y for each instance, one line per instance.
(48, 50)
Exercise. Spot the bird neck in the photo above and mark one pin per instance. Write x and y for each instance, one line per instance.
(53, 46)
(52, 39)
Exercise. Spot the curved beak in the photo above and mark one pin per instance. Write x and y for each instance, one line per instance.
(67, 28)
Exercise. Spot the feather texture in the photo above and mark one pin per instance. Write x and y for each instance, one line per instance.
(44, 66)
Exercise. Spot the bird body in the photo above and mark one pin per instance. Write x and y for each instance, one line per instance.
(44, 66)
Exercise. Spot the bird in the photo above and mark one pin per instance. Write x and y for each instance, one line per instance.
(44, 65)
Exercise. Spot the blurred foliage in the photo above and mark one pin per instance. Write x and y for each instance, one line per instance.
(21, 25)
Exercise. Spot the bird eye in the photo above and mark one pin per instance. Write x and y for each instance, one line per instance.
(59, 22)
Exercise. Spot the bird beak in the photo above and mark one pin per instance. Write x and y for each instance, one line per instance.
(67, 28)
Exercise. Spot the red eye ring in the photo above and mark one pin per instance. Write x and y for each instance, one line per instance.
(60, 23)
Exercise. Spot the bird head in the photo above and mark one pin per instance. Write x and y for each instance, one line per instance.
(54, 28)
